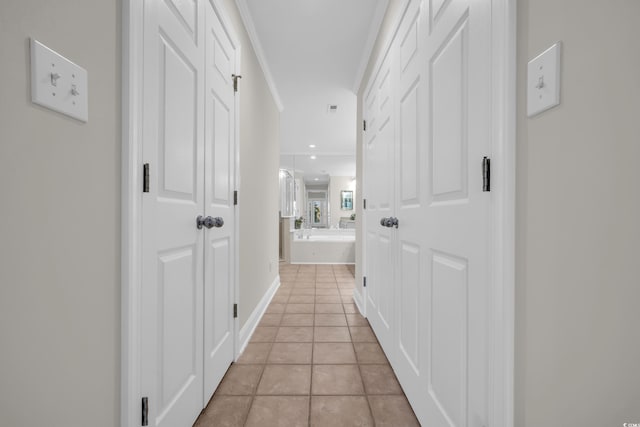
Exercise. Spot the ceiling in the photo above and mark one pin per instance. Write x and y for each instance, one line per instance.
(314, 53)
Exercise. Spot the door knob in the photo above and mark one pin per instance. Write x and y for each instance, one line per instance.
(209, 222)
(389, 222)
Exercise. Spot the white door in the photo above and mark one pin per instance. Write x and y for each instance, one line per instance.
(187, 292)
(444, 216)
(219, 151)
(172, 265)
(379, 155)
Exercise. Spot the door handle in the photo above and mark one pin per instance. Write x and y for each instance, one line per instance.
(386, 221)
(389, 222)
(209, 222)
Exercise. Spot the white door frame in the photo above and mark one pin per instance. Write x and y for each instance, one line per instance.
(131, 202)
(503, 171)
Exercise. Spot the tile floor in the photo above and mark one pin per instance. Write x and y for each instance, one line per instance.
(312, 361)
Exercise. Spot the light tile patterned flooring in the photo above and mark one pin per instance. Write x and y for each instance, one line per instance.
(312, 361)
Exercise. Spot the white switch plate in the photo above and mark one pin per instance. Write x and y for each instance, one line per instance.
(543, 81)
(58, 83)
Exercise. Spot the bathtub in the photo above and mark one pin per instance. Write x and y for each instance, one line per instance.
(323, 246)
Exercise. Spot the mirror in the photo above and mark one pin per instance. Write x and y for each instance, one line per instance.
(322, 188)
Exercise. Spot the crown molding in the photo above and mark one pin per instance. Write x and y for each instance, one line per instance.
(245, 14)
(374, 29)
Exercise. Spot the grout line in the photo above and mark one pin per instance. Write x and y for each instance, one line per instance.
(313, 344)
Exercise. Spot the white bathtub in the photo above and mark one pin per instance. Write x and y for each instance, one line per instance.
(326, 238)
(323, 246)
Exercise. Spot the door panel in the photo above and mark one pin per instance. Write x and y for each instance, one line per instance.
(449, 104)
(409, 326)
(176, 312)
(220, 326)
(434, 268)
(177, 136)
(410, 172)
(219, 156)
(457, 60)
(379, 149)
(220, 151)
(172, 264)
(187, 13)
(448, 337)
(189, 142)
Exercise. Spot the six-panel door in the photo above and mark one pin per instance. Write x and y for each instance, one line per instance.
(436, 337)
(187, 272)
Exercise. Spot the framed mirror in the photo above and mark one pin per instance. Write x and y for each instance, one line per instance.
(346, 200)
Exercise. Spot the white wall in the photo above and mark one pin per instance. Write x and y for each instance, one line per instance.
(578, 220)
(60, 223)
(259, 165)
(336, 185)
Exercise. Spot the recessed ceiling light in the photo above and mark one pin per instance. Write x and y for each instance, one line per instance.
(312, 146)
(316, 179)
(313, 157)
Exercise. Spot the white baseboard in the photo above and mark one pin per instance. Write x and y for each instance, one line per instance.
(358, 299)
(247, 330)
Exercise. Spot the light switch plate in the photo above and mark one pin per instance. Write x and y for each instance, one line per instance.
(543, 81)
(58, 83)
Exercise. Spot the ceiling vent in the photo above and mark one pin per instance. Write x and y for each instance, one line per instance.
(332, 108)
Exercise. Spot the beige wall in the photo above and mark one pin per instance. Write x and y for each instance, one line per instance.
(60, 223)
(336, 185)
(578, 220)
(259, 187)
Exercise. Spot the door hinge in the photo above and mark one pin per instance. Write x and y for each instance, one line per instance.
(235, 310)
(364, 281)
(145, 178)
(235, 81)
(364, 203)
(235, 197)
(145, 411)
(486, 174)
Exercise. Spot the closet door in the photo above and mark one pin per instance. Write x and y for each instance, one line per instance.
(172, 266)
(380, 148)
(411, 202)
(444, 216)
(219, 155)
(188, 267)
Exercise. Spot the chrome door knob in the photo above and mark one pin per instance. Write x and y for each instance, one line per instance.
(209, 222)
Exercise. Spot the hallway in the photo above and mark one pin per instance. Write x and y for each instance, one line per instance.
(312, 361)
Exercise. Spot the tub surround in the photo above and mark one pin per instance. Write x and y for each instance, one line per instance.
(322, 246)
